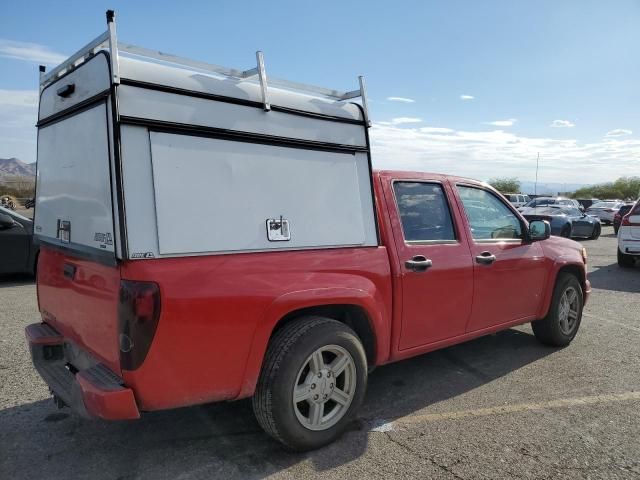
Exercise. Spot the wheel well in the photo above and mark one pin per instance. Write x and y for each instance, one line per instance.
(352, 315)
(574, 270)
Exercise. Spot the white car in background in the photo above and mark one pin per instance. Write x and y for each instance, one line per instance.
(548, 201)
(605, 211)
(517, 199)
(629, 237)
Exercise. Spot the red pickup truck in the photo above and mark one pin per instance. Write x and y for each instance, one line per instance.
(300, 330)
(293, 270)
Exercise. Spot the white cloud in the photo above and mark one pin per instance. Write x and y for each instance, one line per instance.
(18, 115)
(30, 52)
(618, 132)
(401, 99)
(467, 97)
(401, 121)
(502, 123)
(485, 154)
(562, 124)
(436, 130)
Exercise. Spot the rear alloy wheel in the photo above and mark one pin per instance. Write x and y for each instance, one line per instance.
(597, 229)
(566, 231)
(624, 260)
(312, 382)
(561, 324)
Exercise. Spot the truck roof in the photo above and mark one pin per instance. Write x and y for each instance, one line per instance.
(435, 176)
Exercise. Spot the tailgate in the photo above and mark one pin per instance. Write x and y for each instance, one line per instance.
(79, 298)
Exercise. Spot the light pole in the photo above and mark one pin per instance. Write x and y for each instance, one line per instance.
(535, 188)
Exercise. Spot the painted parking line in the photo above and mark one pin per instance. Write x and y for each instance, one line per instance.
(613, 322)
(516, 408)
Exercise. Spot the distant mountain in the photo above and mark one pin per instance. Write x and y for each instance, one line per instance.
(549, 188)
(14, 166)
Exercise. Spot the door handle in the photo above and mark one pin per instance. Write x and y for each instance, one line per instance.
(486, 258)
(419, 263)
(69, 271)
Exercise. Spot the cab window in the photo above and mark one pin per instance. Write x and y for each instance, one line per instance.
(489, 218)
(424, 212)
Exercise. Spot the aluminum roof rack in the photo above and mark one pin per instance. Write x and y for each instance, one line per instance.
(108, 40)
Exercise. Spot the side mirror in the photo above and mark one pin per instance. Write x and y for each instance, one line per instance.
(6, 221)
(539, 230)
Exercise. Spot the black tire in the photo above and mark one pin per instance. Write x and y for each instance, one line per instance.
(566, 231)
(288, 352)
(624, 260)
(597, 229)
(549, 330)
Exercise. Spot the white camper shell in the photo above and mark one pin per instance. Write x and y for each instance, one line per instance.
(146, 155)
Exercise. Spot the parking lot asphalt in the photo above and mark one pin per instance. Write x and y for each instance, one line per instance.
(502, 406)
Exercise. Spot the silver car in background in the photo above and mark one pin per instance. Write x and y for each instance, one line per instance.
(605, 211)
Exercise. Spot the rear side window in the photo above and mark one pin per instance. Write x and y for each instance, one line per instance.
(424, 212)
(489, 218)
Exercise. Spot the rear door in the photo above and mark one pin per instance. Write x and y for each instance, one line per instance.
(435, 263)
(508, 271)
(78, 276)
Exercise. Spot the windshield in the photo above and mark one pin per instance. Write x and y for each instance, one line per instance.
(604, 205)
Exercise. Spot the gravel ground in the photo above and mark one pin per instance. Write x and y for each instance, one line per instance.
(502, 406)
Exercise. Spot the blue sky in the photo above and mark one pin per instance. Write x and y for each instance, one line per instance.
(559, 77)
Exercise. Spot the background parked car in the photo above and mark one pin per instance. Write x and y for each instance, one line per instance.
(587, 202)
(546, 201)
(605, 211)
(629, 237)
(18, 253)
(617, 218)
(517, 199)
(566, 221)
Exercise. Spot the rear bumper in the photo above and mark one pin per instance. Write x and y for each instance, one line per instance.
(630, 246)
(93, 392)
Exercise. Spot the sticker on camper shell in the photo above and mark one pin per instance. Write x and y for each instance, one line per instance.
(142, 255)
(104, 238)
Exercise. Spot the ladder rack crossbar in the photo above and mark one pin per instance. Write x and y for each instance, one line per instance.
(95, 44)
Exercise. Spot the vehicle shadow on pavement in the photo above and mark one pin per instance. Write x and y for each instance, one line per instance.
(612, 277)
(224, 440)
(16, 280)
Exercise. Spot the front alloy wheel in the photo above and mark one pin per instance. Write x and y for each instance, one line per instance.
(561, 324)
(569, 309)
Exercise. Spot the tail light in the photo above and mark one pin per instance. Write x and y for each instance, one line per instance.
(627, 222)
(138, 313)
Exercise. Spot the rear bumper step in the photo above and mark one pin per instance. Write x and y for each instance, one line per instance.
(92, 392)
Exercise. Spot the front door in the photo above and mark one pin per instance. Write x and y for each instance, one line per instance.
(509, 272)
(435, 264)
(580, 224)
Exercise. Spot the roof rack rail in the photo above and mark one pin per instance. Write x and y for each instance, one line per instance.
(108, 41)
